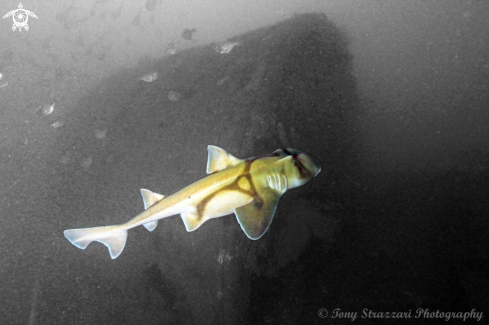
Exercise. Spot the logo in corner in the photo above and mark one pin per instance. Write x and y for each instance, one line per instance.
(20, 16)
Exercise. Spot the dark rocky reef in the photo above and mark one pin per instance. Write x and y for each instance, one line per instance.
(286, 85)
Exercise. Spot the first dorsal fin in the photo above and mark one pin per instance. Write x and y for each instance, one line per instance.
(149, 199)
(219, 159)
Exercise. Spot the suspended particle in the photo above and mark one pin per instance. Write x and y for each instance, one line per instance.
(85, 163)
(173, 95)
(150, 77)
(47, 109)
(58, 124)
(100, 133)
(64, 159)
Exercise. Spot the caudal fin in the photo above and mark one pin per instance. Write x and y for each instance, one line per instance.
(109, 236)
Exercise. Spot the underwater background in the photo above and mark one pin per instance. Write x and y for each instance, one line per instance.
(99, 99)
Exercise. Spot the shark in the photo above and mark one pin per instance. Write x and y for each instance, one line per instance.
(250, 188)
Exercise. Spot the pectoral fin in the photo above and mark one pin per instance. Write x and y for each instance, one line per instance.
(255, 217)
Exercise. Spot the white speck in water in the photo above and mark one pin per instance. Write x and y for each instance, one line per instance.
(64, 159)
(220, 82)
(173, 96)
(85, 163)
(100, 133)
(150, 77)
(58, 124)
(223, 256)
(47, 109)
(225, 47)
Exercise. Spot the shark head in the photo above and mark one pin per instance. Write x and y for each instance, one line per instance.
(299, 168)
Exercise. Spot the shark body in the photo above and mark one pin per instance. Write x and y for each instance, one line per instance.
(251, 188)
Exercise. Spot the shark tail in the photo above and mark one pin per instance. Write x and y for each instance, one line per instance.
(114, 239)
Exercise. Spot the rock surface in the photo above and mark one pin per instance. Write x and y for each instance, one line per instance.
(287, 85)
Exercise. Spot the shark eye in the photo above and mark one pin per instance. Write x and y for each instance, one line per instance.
(280, 153)
(304, 172)
(291, 151)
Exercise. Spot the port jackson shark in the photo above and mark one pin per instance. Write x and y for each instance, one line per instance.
(251, 188)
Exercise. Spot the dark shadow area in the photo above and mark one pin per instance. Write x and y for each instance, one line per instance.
(411, 241)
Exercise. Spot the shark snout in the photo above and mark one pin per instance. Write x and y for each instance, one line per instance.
(311, 164)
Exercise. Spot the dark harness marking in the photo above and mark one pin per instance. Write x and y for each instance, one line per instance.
(234, 186)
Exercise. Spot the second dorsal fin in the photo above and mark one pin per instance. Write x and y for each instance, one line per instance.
(149, 199)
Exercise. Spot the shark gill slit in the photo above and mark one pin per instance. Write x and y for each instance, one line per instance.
(233, 187)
